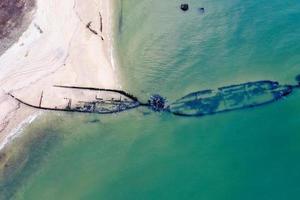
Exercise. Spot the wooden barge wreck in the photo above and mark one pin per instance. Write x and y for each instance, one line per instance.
(200, 103)
(84, 100)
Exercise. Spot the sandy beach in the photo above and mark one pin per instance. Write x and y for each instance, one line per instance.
(67, 43)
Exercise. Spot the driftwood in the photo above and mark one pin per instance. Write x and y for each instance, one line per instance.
(101, 22)
(38, 28)
(41, 99)
(88, 26)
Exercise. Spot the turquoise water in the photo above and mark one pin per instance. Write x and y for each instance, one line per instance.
(248, 154)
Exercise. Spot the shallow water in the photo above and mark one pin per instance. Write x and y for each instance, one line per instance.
(247, 154)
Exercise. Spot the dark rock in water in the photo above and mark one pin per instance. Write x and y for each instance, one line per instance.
(157, 103)
(184, 7)
(201, 10)
(298, 78)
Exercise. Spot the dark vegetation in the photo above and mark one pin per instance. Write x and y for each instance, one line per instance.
(14, 18)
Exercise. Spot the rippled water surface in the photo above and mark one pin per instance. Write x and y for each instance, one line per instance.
(248, 154)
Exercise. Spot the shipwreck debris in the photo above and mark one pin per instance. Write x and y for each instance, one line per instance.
(101, 22)
(41, 99)
(229, 98)
(199, 103)
(157, 103)
(88, 26)
(184, 7)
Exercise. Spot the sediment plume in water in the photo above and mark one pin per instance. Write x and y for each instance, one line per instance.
(21, 159)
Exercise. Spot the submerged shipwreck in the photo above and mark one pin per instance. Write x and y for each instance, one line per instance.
(229, 98)
(200, 103)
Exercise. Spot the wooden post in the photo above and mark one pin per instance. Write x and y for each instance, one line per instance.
(41, 99)
(101, 23)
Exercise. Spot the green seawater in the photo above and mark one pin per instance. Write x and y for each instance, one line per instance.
(241, 155)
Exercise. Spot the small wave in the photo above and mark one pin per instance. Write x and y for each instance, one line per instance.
(19, 129)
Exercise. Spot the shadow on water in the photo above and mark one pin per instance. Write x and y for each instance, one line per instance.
(21, 159)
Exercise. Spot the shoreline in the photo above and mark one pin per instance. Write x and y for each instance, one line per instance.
(57, 48)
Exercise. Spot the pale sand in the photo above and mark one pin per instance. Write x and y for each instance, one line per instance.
(57, 49)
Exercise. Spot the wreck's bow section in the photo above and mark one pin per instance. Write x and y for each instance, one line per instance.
(83, 99)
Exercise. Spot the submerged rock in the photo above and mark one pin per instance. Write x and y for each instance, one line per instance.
(201, 10)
